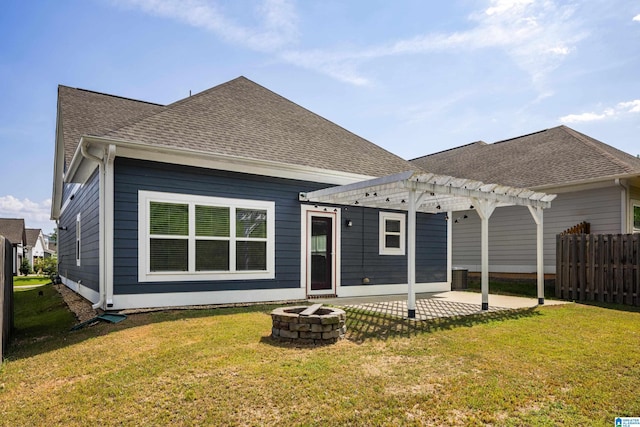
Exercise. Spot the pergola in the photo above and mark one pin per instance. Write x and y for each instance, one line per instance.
(414, 192)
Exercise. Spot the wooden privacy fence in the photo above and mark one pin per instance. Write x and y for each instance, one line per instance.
(598, 267)
(6, 294)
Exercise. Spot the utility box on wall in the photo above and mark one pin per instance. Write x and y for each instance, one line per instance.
(459, 278)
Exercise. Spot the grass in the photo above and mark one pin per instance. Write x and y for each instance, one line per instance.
(19, 281)
(40, 314)
(572, 364)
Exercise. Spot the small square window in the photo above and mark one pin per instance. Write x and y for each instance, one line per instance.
(392, 233)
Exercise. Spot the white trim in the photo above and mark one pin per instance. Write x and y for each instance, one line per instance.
(78, 241)
(450, 247)
(144, 273)
(587, 184)
(382, 232)
(176, 299)
(370, 290)
(634, 204)
(107, 201)
(79, 288)
(74, 189)
(181, 156)
(306, 212)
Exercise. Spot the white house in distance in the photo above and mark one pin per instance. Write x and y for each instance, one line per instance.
(36, 245)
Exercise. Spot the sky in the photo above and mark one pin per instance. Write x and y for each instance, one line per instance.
(413, 76)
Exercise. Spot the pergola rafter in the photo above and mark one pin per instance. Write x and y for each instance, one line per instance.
(414, 192)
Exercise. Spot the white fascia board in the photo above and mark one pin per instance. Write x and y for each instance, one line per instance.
(81, 168)
(58, 170)
(186, 157)
(582, 185)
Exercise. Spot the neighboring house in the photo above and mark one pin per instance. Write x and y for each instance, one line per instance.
(50, 247)
(36, 245)
(594, 182)
(198, 202)
(13, 229)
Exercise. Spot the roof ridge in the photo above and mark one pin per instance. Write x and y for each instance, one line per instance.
(521, 136)
(587, 140)
(110, 95)
(170, 106)
(449, 149)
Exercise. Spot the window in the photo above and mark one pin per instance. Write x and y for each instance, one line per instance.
(184, 237)
(78, 239)
(636, 218)
(392, 233)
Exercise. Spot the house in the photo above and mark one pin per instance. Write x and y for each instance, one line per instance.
(36, 245)
(13, 229)
(203, 201)
(594, 182)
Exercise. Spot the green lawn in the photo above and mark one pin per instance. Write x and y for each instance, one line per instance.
(30, 280)
(562, 365)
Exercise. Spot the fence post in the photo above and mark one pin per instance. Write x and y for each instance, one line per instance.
(559, 258)
(6, 294)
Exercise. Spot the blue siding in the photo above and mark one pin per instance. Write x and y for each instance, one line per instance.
(359, 245)
(86, 201)
(360, 250)
(132, 176)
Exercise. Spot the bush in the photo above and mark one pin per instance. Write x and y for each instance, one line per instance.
(48, 266)
(25, 267)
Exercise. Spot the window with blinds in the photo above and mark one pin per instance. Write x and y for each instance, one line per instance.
(205, 237)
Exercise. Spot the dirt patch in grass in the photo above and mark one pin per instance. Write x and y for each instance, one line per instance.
(79, 306)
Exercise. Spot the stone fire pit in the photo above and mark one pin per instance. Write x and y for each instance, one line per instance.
(308, 324)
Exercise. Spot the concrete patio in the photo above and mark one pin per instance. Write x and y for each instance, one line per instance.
(436, 305)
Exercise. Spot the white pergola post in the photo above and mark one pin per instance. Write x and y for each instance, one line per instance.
(484, 208)
(411, 255)
(536, 213)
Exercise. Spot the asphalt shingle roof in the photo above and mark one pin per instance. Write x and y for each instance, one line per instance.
(32, 236)
(12, 229)
(550, 157)
(238, 118)
(84, 112)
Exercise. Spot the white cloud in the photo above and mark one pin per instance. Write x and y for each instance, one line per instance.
(278, 20)
(36, 215)
(537, 35)
(622, 108)
(637, 18)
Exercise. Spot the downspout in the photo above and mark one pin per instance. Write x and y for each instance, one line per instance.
(99, 161)
(108, 224)
(624, 223)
